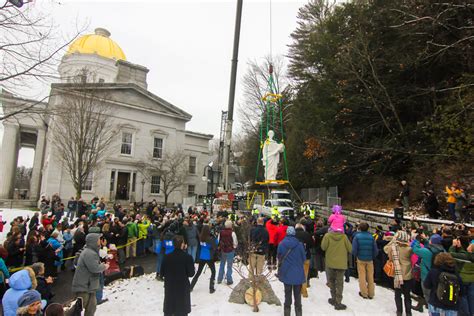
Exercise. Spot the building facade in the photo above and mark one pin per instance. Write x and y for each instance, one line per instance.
(146, 128)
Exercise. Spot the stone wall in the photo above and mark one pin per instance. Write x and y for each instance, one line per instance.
(377, 218)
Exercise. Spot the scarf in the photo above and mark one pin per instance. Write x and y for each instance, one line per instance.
(398, 277)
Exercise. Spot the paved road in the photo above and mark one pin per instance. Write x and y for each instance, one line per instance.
(62, 286)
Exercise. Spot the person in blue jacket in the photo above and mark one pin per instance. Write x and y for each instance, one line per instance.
(208, 246)
(19, 282)
(365, 250)
(430, 249)
(291, 257)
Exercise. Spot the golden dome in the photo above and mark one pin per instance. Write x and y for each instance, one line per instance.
(98, 43)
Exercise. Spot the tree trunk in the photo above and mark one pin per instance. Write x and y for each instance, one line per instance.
(166, 199)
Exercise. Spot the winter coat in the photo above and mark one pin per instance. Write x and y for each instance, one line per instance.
(426, 255)
(47, 255)
(67, 240)
(192, 235)
(272, 231)
(143, 229)
(364, 246)
(20, 282)
(176, 269)
(405, 253)
(259, 239)
(431, 282)
(305, 238)
(5, 273)
(336, 222)
(34, 222)
(44, 288)
(227, 240)
(132, 230)
(281, 234)
(86, 277)
(337, 246)
(55, 244)
(79, 240)
(291, 257)
(207, 250)
(465, 263)
(15, 255)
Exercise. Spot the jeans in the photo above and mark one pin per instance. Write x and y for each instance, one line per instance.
(99, 294)
(192, 250)
(121, 255)
(405, 290)
(226, 258)
(452, 210)
(71, 214)
(141, 247)
(131, 249)
(159, 262)
(467, 300)
(272, 254)
(296, 289)
(436, 311)
(335, 278)
(426, 292)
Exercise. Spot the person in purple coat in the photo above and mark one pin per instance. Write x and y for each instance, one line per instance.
(291, 257)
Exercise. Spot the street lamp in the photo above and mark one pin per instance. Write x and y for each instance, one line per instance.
(143, 186)
(210, 174)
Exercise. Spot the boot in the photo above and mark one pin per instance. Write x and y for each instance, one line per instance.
(211, 287)
(299, 310)
(287, 311)
(419, 305)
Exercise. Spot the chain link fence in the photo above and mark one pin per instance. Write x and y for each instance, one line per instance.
(325, 196)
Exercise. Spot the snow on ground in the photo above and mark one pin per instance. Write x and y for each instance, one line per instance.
(8, 215)
(144, 296)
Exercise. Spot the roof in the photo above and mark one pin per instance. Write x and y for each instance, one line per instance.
(98, 43)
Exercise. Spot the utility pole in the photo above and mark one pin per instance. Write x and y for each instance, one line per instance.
(230, 109)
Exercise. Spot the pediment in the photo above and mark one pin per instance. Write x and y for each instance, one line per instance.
(138, 97)
(132, 95)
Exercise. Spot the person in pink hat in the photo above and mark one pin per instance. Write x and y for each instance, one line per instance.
(336, 220)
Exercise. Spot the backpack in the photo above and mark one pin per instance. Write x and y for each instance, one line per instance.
(448, 289)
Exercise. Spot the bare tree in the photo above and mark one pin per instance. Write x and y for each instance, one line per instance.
(30, 47)
(255, 86)
(82, 132)
(172, 169)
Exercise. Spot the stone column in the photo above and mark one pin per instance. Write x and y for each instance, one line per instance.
(8, 159)
(35, 183)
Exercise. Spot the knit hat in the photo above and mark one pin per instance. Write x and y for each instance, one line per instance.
(28, 298)
(94, 230)
(290, 231)
(435, 239)
(402, 236)
(336, 209)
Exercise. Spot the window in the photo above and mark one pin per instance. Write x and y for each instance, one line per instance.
(87, 184)
(155, 184)
(126, 143)
(192, 165)
(157, 147)
(191, 190)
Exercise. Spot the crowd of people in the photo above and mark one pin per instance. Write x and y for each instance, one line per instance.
(435, 267)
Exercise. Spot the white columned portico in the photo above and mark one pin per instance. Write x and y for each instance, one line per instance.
(8, 159)
(37, 164)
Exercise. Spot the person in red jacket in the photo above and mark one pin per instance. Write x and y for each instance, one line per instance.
(45, 221)
(272, 228)
(281, 231)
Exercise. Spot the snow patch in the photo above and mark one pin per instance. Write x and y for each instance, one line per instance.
(144, 296)
(8, 215)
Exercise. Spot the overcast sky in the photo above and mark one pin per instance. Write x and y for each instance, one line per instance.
(187, 45)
